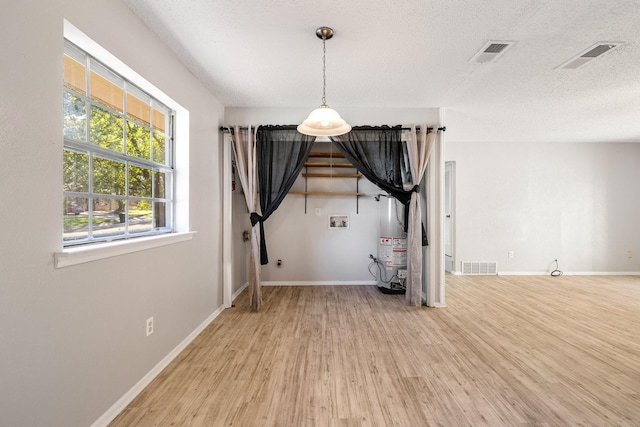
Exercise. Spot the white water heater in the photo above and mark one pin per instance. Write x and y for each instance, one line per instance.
(392, 245)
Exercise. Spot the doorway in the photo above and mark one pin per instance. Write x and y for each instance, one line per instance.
(449, 216)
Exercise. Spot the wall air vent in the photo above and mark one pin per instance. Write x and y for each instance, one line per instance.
(480, 267)
(593, 52)
(491, 51)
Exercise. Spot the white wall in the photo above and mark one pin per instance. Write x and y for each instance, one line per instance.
(309, 251)
(73, 339)
(573, 202)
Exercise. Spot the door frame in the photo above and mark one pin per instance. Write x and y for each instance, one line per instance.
(227, 218)
(450, 216)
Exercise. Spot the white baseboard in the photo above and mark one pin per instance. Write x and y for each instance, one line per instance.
(602, 273)
(122, 403)
(570, 273)
(321, 283)
(523, 273)
(239, 291)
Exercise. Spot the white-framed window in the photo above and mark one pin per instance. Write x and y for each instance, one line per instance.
(119, 167)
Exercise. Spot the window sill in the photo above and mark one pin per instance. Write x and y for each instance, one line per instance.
(80, 255)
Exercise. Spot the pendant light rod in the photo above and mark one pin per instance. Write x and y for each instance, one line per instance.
(324, 33)
(324, 71)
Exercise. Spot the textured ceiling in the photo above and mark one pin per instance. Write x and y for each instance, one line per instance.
(415, 54)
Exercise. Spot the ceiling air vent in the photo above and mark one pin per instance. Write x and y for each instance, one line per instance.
(589, 55)
(491, 51)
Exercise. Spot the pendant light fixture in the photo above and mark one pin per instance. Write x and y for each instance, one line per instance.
(324, 121)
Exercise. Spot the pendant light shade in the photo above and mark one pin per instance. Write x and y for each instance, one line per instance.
(324, 121)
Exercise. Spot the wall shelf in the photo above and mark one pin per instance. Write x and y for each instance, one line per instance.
(325, 154)
(329, 163)
(331, 175)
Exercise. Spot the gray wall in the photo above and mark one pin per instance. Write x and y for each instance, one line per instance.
(73, 339)
(577, 203)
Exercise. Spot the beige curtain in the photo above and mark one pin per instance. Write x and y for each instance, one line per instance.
(244, 149)
(419, 146)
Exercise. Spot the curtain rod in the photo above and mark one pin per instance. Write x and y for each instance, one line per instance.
(225, 128)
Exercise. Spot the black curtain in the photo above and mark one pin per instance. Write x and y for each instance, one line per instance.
(280, 155)
(380, 155)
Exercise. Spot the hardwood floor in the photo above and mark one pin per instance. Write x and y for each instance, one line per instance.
(507, 351)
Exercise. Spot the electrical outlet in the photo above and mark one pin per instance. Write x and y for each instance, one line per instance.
(149, 326)
(629, 254)
(510, 254)
(402, 274)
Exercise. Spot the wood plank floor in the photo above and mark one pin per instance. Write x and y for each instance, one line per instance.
(507, 351)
